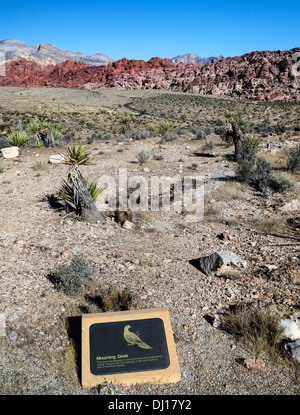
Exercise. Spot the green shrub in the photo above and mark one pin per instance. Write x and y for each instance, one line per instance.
(17, 138)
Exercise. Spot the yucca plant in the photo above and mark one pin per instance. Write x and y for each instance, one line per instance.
(33, 127)
(66, 192)
(17, 138)
(254, 142)
(77, 155)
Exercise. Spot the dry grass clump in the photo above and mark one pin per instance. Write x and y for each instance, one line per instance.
(257, 330)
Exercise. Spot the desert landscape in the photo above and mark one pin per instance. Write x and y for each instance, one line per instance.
(235, 324)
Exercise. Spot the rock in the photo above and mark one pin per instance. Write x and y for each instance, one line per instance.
(211, 263)
(3, 142)
(56, 159)
(66, 254)
(128, 225)
(13, 336)
(224, 236)
(290, 206)
(253, 365)
(291, 330)
(10, 152)
(12, 317)
(293, 348)
(270, 267)
(230, 258)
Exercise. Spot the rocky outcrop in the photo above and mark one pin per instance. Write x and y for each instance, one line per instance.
(197, 60)
(264, 76)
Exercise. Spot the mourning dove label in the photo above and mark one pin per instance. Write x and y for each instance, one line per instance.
(128, 346)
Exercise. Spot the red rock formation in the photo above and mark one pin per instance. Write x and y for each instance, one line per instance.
(256, 75)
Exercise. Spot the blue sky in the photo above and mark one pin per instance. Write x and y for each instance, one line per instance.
(141, 30)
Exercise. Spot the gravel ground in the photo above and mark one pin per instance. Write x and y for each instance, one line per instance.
(153, 261)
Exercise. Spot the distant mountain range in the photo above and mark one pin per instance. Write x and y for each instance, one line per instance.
(10, 49)
(15, 48)
(191, 58)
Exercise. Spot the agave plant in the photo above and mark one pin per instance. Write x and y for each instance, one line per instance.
(17, 138)
(77, 155)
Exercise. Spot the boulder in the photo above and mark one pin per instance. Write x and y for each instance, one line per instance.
(10, 152)
(211, 263)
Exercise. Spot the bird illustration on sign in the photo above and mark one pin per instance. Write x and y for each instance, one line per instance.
(134, 339)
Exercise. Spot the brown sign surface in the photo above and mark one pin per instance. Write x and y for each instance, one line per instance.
(128, 347)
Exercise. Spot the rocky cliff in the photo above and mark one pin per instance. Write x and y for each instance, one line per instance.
(257, 75)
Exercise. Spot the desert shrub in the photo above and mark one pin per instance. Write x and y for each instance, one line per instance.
(207, 146)
(167, 136)
(17, 138)
(164, 127)
(256, 171)
(75, 278)
(145, 155)
(294, 159)
(281, 184)
(257, 330)
(2, 169)
(200, 135)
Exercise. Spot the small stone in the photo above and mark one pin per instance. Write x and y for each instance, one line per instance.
(128, 225)
(56, 159)
(13, 335)
(253, 365)
(10, 152)
(65, 254)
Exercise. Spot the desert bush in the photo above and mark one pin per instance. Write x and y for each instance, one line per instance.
(74, 278)
(200, 135)
(167, 136)
(294, 159)
(257, 172)
(145, 155)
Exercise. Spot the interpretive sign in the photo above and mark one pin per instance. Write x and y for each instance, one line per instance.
(128, 347)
